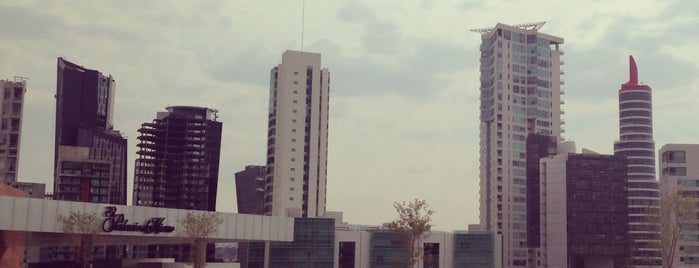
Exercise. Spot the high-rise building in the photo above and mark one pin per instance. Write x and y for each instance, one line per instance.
(520, 87)
(11, 127)
(679, 173)
(250, 194)
(84, 111)
(538, 147)
(250, 189)
(583, 211)
(297, 137)
(178, 159)
(177, 167)
(637, 145)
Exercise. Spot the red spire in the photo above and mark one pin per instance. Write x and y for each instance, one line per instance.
(633, 71)
(633, 77)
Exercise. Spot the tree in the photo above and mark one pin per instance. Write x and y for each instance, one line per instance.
(86, 225)
(675, 210)
(198, 227)
(411, 226)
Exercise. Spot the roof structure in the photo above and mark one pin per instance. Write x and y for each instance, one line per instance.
(524, 26)
(633, 78)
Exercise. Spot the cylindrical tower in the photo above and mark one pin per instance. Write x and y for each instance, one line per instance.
(637, 145)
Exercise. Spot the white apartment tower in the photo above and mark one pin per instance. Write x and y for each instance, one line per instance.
(679, 173)
(297, 142)
(520, 87)
(12, 104)
(637, 145)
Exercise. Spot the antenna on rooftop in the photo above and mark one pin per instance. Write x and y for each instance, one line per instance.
(303, 20)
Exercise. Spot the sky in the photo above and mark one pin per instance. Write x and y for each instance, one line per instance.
(403, 91)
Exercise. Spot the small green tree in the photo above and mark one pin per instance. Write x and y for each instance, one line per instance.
(411, 226)
(198, 227)
(85, 225)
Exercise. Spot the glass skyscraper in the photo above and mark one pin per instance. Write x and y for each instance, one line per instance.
(84, 111)
(521, 92)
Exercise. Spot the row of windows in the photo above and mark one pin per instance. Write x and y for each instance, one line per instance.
(635, 95)
(630, 105)
(675, 171)
(674, 157)
(636, 121)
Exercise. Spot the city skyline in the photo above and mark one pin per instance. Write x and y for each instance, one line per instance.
(404, 82)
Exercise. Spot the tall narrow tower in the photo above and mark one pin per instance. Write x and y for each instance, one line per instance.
(520, 89)
(637, 145)
(297, 137)
(11, 127)
(84, 132)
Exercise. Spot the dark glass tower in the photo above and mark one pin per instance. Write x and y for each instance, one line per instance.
(84, 110)
(249, 189)
(178, 159)
(637, 145)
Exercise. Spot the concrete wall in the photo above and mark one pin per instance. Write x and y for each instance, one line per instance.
(39, 216)
(12, 243)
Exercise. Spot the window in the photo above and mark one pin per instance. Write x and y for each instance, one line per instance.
(293, 130)
(293, 159)
(675, 171)
(675, 157)
(295, 101)
(296, 92)
(294, 111)
(296, 82)
(291, 189)
(293, 169)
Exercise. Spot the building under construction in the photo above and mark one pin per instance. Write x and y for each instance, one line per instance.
(178, 159)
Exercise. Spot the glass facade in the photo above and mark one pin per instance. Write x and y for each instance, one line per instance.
(313, 247)
(387, 250)
(474, 250)
(84, 109)
(538, 146)
(596, 208)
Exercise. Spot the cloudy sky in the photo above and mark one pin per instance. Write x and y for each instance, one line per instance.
(404, 80)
